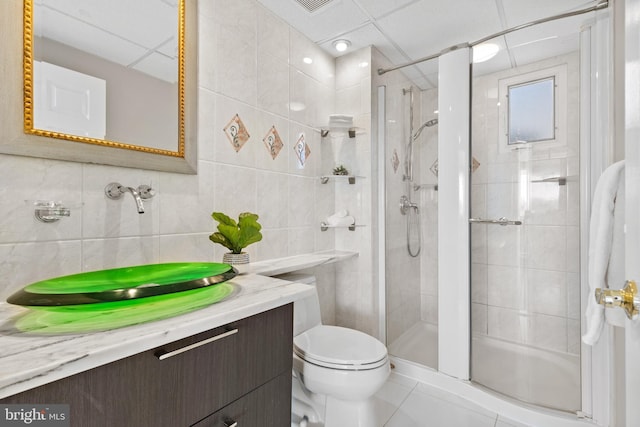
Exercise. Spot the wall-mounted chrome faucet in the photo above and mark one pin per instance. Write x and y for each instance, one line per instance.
(115, 191)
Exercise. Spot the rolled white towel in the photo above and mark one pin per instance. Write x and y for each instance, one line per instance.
(340, 214)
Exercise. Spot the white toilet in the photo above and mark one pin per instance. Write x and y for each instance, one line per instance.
(336, 370)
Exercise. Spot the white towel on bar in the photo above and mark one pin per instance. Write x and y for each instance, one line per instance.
(601, 238)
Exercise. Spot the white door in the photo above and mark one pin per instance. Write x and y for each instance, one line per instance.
(632, 213)
(69, 102)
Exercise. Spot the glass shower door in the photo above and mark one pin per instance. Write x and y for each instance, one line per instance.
(525, 232)
(411, 277)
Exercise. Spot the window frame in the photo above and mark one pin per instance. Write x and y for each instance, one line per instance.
(559, 76)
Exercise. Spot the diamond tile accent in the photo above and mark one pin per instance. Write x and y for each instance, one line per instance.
(302, 150)
(434, 168)
(475, 164)
(395, 161)
(273, 142)
(236, 132)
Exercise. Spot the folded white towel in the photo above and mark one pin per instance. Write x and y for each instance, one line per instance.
(340, 120)
(600, 242)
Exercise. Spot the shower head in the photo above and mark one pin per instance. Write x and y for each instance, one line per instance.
(428, 124)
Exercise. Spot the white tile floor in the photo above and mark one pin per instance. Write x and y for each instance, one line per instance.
(404, 402)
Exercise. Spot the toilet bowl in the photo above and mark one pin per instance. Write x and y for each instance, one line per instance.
(336, 370)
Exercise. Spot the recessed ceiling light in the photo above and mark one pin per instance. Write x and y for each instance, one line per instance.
(307, 60)
(484, 52)
(363, 64)
(341, 45)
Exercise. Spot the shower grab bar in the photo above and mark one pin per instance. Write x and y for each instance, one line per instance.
(500, 221)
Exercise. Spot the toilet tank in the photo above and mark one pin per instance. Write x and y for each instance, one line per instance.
(306, 311)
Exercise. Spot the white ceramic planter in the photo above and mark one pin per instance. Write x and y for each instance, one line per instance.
(239, 261)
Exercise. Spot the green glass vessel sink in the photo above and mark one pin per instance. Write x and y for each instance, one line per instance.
(121, 286)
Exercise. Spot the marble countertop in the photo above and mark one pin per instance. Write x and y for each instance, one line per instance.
(31, 359)
(277, 266)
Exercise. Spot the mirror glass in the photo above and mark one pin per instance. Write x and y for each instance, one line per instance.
(106, 73)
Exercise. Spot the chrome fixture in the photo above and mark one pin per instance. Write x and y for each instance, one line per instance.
(427, 124)
(500, 221)
(115, 191)
(49, 211)
(406, 204)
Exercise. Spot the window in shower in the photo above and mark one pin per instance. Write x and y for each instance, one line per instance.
(530, 107)
(532, 112)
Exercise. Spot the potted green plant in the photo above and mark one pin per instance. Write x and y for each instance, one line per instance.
(235, 236)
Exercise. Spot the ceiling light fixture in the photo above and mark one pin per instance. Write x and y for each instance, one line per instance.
(341, 45)
(484, 52)
(307, 60)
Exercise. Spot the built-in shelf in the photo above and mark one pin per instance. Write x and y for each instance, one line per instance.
(351, 179)
(324, 226)
(350, 131)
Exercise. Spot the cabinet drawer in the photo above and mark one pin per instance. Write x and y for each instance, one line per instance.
(179, 383)
(267, 406)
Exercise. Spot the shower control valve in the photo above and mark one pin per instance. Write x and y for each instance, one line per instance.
(406, 204)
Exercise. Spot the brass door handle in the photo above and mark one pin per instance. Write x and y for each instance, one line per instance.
(627, 298)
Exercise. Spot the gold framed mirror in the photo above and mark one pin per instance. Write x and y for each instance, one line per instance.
(151, 132)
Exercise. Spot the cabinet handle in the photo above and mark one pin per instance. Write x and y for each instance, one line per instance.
(169, 354)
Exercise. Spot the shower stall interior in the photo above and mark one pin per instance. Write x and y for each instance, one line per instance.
(524, 184)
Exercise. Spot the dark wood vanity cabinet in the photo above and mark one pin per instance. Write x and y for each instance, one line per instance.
(240, 372)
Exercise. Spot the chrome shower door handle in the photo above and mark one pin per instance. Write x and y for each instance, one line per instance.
(500, 221)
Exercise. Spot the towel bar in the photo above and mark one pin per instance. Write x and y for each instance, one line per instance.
(500, 221)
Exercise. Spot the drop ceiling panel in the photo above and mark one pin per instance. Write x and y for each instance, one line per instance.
(546, 40)
(379, 8)
(338, 17)
(499, 62)
(362, 37)
(428, 67)
(546, 49)
(520, 12)
(159, 66)
(94, 41)
(540, 32)
(143, 23)
(428, 27)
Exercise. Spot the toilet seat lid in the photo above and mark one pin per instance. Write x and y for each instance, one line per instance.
(340, 348)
